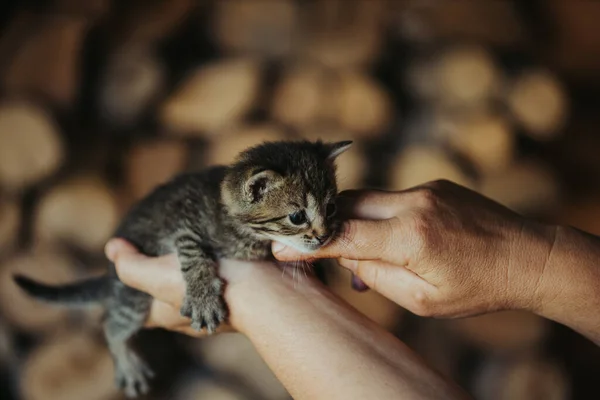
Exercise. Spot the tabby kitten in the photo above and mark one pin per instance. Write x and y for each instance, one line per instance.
(282, 191)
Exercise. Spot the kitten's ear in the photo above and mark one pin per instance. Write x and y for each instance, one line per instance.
(260, 183)
(335, 149)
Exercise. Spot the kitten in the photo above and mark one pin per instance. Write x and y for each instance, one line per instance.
(282, 191)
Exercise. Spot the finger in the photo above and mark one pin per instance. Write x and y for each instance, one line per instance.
(395, 282)
(164, 315)
(358, 240)
(368, 204)
(158, 276)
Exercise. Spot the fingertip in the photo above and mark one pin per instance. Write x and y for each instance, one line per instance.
(112, 248)
(116, 247)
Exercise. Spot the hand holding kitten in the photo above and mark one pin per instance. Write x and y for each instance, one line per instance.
(439, 250)
(161, 278)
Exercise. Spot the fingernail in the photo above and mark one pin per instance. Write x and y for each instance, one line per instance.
(278, 247)
(358, 284)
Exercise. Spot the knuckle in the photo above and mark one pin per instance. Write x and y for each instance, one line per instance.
(427, 197)
(421, 303)
(441, 184)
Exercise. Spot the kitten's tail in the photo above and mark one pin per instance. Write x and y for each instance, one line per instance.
(78, 294)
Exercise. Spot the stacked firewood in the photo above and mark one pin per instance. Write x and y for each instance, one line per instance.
(103, 101)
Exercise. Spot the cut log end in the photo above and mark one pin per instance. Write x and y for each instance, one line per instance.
(419, 164)
(66, 366)
(527, 187)
(30, 145)
(20, 309)
(212, 98)
(539, 103)
(152, 163)
(81, 212)
(224, 149)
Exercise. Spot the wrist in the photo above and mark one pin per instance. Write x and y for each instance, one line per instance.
(255, 291)
(527, 270)
(569, 286)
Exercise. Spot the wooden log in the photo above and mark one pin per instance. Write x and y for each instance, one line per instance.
(583, 213)
(224, 149)
(508, 332)
(343, 35)
(537, 100)
(527, 187)
(68, 366)
(522, 379)
(418, 164)
(212, 98)
(266, 28)
(419, 78)
(494, 23)
(21, 310)
(153, 162)
(575, 28)
(298, 99)
(80, 212)
(483, 137)
(352, 167)
(465, 76)
(363, 105)
(309, 96)
(154, 21)
(92, 9)
(133, 81)
(30, 146)
(55, 42)
(10, 221)
(235, 355)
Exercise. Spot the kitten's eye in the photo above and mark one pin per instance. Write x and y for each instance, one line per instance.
(298, 218)
(330, 210)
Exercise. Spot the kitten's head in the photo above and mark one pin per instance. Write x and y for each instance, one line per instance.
(286, 191)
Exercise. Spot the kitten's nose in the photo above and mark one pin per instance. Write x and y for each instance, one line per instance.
(323, 238)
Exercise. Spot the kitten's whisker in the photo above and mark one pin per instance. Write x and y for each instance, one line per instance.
(294, 275)
(304, 266)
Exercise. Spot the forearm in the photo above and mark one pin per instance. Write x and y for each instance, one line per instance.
(569, 289)
(320, 348)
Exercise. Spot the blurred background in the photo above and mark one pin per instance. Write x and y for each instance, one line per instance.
(102, 100)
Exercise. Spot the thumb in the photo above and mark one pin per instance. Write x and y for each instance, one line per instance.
(358, 240)
(120, 248)
(158, 276)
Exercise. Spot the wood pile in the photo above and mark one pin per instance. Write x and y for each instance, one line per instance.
(101, 101)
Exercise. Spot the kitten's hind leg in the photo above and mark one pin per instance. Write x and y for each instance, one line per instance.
(203, 301)
(125, 318)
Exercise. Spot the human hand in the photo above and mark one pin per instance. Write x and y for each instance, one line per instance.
(438, 249)
(161, 278)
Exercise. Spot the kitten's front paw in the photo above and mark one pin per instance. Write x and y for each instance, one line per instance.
(207, 310)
